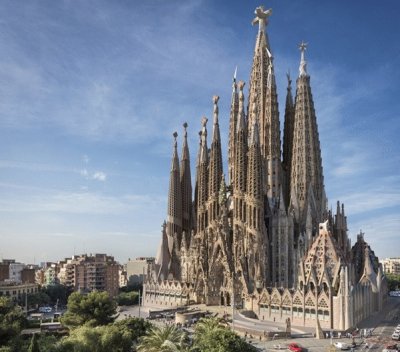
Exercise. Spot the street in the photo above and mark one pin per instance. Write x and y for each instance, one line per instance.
(382, 325)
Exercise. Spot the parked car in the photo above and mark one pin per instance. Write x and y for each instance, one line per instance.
(294, 347)
(342, 346)
(45, 309)
(395, 336)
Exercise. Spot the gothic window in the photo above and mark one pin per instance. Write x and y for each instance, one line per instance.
(309, 302)
(322, 303)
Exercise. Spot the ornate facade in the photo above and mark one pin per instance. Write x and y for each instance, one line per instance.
(265, 239)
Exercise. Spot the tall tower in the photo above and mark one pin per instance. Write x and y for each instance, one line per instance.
(288, 141)
(232, 127)
(240, 166)
(202, 180)
(259, 70)
(196, 185)
(239, 194)
(186, 188)
(263, 93)
(270, 139)
(215, 168)
(174, 217)
(307, 182)
(256, 235)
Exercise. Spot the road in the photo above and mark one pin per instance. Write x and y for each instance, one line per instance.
(384, 328)
(382, 325)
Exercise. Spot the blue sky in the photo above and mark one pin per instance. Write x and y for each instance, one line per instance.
(91, 92)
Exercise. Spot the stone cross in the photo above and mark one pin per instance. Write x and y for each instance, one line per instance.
(303, 48)
(261, 17)
(303, 63)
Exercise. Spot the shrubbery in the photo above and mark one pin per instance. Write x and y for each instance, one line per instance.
(128, 298)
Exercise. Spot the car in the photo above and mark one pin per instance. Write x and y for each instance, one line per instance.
(390, 348)
(45, 309)
(342, 346)
(395, 336)
(295, 347)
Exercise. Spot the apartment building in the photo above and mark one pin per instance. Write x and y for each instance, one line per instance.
(94, 272)
(16, 291)
(391, 265)
(137, 268)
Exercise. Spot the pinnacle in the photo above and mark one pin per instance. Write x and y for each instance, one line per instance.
(303, 63)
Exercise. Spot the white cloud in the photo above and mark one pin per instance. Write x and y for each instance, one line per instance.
(79, 203)
(381, 232)
(370, 199)
(352, 159)
(99, 176)
(32, 166)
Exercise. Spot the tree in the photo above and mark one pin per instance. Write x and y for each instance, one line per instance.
(100, 339)
(207, 326)
(34, 346)
(48, 343)
(211, 336)
(393, 281)
(96, 308)
(164, 339)
(136, 327)
(39, 298)
(12, 320)
(57, 293)
(128, 298)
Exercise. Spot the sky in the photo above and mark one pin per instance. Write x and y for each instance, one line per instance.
(91, 92)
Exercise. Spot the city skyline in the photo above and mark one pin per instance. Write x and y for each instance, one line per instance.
(90, 102)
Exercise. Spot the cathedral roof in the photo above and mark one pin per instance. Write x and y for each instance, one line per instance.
(324, 258)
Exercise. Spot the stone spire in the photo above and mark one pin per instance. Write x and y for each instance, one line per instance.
(261, 62)
(288, 139)
(303, 63)
(256, 235)
(196, 186)
(262, 20)
(186, 187)
(215, 167)
(307, 180)
(270, 139)
(240, 166)
(340, 228)
(163, 256)
(174, 218)
(254, 170)
(240, 146)
(232, 127)
(202, 180)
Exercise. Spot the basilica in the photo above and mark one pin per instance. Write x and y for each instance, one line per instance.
(260, 235)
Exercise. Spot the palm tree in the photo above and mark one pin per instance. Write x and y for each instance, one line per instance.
(164, 339)
(208, 326)
(211, 336)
